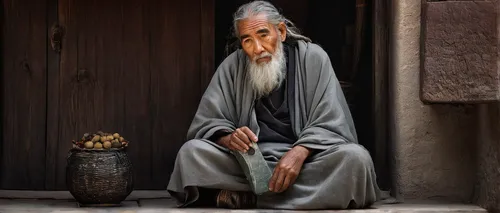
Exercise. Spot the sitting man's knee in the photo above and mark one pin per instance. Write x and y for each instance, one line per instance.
(190, 147)
(356, 154)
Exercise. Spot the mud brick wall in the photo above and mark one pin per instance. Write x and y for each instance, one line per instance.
(446, 151)
(487, 191)
(459, 52)
(433, 144)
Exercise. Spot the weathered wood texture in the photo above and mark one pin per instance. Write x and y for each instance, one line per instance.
(53, 73)
(132, 67)
(175, 81)
(24, 76)
(207, 42)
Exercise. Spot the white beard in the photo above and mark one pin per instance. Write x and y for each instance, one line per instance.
(267, 76)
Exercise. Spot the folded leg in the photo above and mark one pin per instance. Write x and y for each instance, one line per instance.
(203, 164)
(338, 178)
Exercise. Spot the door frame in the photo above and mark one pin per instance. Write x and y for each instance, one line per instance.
(381, 22)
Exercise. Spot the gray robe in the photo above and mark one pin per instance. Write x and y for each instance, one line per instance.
(340, 175)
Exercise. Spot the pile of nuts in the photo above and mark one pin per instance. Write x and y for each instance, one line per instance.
(100, 140)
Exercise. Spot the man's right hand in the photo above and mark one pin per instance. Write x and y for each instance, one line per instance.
(239, 140)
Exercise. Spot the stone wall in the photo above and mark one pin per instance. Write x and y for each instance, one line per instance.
(488, 141)
(447, 151)
(434, 144)
(488, 179)
(459, 55)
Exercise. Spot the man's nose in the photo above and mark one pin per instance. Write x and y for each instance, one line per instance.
(258, 48)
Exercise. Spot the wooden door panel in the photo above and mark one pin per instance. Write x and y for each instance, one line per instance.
(23, 94)
(175, 73)
(73, 95)
(133, 67)
(137, 89)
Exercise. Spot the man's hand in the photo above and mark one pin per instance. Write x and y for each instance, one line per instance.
(239, 140)
(288, 168)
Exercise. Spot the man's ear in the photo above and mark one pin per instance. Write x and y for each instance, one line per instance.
(282, 30)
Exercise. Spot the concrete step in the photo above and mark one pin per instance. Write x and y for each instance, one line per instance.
(167, 205)
(426, 206)
(159, 202)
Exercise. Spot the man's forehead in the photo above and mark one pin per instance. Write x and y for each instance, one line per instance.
(253, 24)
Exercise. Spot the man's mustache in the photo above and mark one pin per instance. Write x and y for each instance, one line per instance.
(265, 54)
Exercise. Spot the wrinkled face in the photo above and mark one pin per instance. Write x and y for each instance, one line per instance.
(262, 42)
(259, 38)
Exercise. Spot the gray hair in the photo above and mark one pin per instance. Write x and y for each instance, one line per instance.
(272, 14)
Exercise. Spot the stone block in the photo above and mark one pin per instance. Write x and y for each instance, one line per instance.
(158, 203)
(460, 52)
(255, 168)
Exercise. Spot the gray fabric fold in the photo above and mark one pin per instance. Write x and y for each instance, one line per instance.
(337, 178)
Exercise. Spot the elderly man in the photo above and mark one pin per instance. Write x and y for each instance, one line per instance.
(280, 91)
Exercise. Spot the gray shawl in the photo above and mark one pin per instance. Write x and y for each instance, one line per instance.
(320, 115)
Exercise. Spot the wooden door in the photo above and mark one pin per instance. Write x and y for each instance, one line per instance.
(137, 67)
(23, 97)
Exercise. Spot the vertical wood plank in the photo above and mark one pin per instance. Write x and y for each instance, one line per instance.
(135, 86)
(207, 47)
(61, 122)
(175, 75)
(92, 68)
(380, 90)
(24, 94)
(53, 78)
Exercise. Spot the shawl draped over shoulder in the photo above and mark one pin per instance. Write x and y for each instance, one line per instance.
(320, 116)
